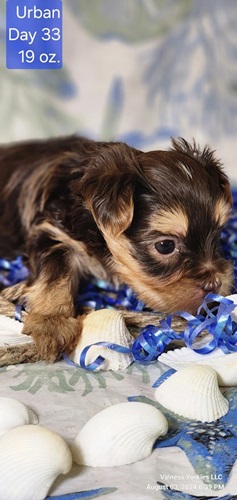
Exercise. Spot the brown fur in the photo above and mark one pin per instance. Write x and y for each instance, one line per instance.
(77, 208)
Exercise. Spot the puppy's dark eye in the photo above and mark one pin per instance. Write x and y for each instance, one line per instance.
(165, 247)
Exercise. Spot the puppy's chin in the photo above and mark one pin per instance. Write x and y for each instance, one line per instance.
(184, 295)
(173, 299)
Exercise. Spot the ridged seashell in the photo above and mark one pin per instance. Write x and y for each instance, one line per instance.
(225, 365)
(193, 393)
(31, 458)
(14, 413)
(10, 332)
(119, 435)
(104, 325)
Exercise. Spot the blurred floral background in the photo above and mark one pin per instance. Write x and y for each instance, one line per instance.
(134, 70)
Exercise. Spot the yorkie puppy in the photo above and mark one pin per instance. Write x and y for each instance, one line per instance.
(75, 208)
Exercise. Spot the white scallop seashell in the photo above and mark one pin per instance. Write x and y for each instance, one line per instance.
(104, 325)
(119, 435)
(225, 365)
(11, 332)
(193, 393)
(31, 458)
(14, 413)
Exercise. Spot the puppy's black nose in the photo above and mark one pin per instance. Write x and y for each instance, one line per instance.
(213, 285)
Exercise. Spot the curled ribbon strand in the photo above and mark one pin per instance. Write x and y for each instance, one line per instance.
(152, 340)
(12, 272)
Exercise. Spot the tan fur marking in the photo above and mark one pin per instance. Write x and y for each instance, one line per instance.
(174, 222)
(222, 212)
(123, 219)
(130, 272)
(49, 300)
(167, 295)
(120, 222)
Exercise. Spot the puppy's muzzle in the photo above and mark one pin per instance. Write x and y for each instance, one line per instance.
(217, 278)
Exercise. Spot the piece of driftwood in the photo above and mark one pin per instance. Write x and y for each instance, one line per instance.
(27, 353)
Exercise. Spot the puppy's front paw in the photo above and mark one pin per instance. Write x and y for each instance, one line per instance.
(53, 335)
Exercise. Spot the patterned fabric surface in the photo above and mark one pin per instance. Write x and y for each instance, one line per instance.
(65, 398)
(135, 70)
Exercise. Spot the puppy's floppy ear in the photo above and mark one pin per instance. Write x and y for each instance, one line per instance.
(108, 188)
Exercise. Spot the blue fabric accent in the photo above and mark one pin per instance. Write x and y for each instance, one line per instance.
(212, 443)
(90, 494)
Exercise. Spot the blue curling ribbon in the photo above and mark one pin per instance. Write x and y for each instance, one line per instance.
(100, 295)
(12, 272)
(18, 312)
(152, 340)
(218, 322)
(99, 360)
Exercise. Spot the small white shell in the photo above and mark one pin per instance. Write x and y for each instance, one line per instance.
(119, 435)
(109, 326)
(225, 365)
(31, 458)
(193, 393)
(10, 332)
(14, 413)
